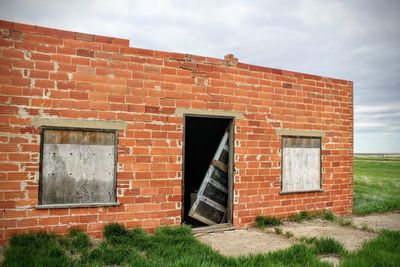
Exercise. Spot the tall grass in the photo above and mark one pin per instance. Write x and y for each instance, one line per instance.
(168, 246)
(176, 246)
(38, 249)
(376, 185)
(382, 251)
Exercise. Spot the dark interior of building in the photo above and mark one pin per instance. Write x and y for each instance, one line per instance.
(202, 136)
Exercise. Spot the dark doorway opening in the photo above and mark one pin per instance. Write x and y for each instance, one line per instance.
(202, 138)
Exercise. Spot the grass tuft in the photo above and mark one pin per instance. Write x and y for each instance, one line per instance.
(328, 215)
(345, 222)
(301, 216)
(325, 245)
(116, 233)
(278, 230)
(306, 215)
(289, 234)
(115, 230)
(365, 227)
(307, 240)
(76, 240)
(266, 221)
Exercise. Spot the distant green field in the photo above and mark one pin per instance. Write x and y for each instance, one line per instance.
(376, 185)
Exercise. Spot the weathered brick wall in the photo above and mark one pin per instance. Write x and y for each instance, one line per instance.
(50, 73)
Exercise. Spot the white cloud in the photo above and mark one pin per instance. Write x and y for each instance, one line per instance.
(355, 39)
(386, 108)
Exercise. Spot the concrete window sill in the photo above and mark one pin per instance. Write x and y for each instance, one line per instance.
(305, 191)
(77, 205)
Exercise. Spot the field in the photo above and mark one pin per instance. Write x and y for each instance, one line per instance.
(376, 185)
(377, 189)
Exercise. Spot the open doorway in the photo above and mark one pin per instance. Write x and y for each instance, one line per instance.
(208, 169)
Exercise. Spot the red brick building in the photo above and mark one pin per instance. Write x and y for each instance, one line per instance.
(94, 131)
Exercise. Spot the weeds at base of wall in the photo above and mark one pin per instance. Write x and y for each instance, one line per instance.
(267, 221)
(310, 215)
(325, 214)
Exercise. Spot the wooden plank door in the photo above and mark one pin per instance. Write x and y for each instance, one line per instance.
(210, 206)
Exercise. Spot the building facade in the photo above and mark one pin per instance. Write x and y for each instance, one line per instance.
(94, 131)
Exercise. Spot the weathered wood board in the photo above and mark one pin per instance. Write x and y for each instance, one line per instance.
(78, 167)
(301, 164)
(210, 206)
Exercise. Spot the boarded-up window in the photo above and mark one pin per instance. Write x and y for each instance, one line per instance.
(301, 164)
(78, 167)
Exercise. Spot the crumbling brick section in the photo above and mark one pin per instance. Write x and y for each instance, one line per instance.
(50, 73)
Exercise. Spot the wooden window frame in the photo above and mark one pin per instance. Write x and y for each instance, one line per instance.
(320, 166)
(76, 205)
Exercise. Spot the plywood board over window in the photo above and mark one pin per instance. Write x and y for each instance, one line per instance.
(301, 164)
(78, 167)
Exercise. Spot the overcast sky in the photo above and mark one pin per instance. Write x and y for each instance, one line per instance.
(353, 40)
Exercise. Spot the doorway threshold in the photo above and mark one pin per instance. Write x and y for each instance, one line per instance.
(222, 227)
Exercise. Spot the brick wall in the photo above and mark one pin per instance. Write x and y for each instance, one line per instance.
(49, 73)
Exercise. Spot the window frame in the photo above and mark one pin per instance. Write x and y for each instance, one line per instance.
(76, 205)
(320, 165)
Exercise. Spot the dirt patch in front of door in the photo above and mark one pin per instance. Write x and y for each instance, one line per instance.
(245, 242)
(253, 241)
(351, 238)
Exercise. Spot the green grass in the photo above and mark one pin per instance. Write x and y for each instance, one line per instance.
(324, 245)
(376, 185)
(41, 249)
(266, 221)
(306, 215)
(168, 246)
(381, 251)
(289, 234)
(329, 216)
(278, 230)
(176, 246)
(345, 222)
(76, 241)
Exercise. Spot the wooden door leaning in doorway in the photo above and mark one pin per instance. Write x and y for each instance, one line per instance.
(207, 183)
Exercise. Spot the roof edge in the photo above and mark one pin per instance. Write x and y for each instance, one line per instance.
(228, 60)
(28, 28)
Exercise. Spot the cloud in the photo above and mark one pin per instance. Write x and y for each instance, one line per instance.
(356, 40)
(383, 119)
(387, 108)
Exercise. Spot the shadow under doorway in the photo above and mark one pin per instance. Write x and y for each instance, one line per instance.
(202, 137)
